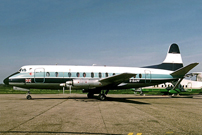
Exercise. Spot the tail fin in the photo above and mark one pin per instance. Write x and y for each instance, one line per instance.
(173, 60)
(173, 55)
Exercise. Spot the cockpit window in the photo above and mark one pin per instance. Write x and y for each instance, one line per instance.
(22, 70)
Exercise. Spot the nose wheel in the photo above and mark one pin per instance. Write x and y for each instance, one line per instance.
(29, 96)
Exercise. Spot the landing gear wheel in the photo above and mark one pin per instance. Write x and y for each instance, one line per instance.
(90, 95)
(102, 97)
(29, 97)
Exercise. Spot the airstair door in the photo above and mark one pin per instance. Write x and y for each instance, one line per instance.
(189, 87)
(147, 76)
(39, 75)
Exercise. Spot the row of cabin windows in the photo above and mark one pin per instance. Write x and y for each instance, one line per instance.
(79, 75)
(84, 74)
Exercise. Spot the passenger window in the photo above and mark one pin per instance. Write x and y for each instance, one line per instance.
(47, 74)
(140, 75)
(92, 74)
(77, 74)
(100, 75)
(69, 74)
(106, 74)
(113, 74)
(84, 74)
(56, 74)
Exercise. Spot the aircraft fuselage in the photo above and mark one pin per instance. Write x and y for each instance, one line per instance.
(86, 77)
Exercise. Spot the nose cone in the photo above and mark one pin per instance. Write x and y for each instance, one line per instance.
(6, 81)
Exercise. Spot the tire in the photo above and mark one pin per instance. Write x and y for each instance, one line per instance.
(102, 97)
(29, 97)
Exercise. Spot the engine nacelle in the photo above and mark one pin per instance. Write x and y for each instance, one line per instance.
(86, 83)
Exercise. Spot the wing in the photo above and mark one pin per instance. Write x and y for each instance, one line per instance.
(117, 79)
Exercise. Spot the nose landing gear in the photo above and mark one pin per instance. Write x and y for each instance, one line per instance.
(28, 95)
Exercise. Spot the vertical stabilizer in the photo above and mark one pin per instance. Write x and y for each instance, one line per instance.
(173, 60)
(173, 55)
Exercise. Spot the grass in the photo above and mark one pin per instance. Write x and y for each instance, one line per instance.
(9, 90)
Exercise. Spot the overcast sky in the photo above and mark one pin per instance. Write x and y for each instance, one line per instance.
(103, 32)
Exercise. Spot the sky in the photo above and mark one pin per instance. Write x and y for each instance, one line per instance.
(129, 33)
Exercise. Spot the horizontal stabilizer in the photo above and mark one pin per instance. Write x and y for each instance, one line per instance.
(184, 70)
(117, 78)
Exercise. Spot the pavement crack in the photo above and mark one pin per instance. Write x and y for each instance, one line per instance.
(38, 115)
(102, 118)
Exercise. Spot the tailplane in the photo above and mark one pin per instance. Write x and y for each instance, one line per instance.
(173, 60)
(182, 71)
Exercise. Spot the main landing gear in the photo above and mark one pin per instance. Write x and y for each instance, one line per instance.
(28, 95)
(102, 94)
(90, 95)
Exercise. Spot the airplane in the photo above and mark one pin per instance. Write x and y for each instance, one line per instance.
(100, 79)
(192, 84)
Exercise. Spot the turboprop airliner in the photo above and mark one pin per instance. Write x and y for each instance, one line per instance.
(100, 79)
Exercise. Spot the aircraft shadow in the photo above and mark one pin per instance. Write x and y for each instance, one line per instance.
(96, 99)
(61, 98)
(125, 100)
(50, 132)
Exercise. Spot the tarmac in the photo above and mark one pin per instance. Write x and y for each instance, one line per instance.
(120, 114)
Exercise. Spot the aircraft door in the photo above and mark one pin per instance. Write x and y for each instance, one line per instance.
(39, 75)
(147, 76)
(189, 87)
